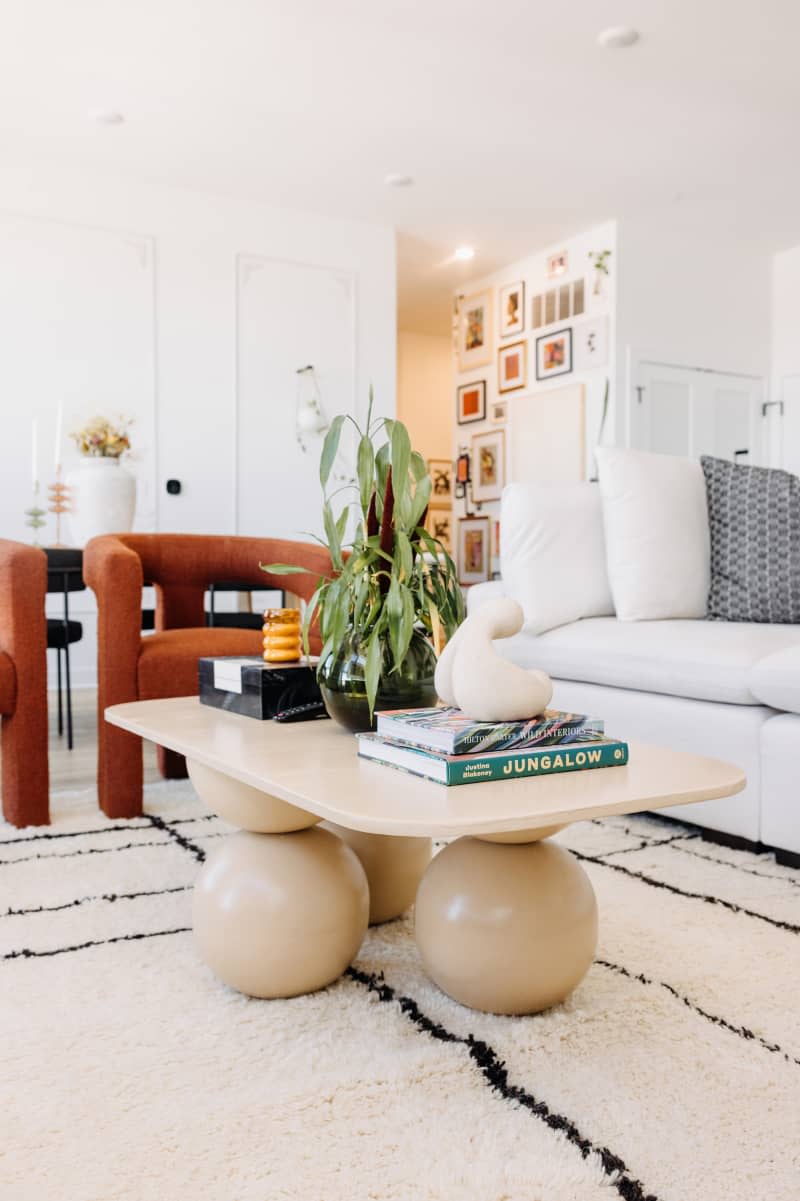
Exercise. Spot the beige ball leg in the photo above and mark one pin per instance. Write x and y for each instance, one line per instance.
(276, 915)
(506, 928)
(394, 868)
(245, 806)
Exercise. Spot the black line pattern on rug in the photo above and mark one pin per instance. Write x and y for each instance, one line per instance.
(26, 953)
(52, 834)
(646, 844)
(495, 1073)
(740, 867)
(126, 846)
(107, 896)
(176, 836)
(708, 898)
(741, 1031)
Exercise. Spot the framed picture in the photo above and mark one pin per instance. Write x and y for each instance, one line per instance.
(496, 538)
(439, 524)
(499, 412)
(475, 339)
(489, 457)
(471, 403)
(557, 264)
(512, 309)
(441, 473)
(591, 344)
(512, 366)
(474, 550)
(462, 475)
(554, 354)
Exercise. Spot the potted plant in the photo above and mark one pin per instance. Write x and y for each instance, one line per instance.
(102, 492)
(392, 599)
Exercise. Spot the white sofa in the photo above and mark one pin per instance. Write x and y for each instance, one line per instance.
(730, 690)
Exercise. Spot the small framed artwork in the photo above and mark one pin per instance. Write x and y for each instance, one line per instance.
(474, 550)
(496, 538)
(462, 474)
(475, 330)
(439, 524)
(499, 412)
(512, 366)
(557, 264)
(471, 402)
(489, 456)
(512, 309)
(441, 473)
(591, 344)
(554, 354)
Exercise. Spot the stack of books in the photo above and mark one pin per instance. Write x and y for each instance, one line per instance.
(445, 746)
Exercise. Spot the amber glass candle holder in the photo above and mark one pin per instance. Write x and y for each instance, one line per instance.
(283, 638)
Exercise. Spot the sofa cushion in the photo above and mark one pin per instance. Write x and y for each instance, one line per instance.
(553, 553)
(706, 660)
(168, 661)
(8, 685)
(754, 515)
(775, 680)
(656, 529)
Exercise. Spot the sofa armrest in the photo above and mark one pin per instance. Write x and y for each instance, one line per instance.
(481, 594)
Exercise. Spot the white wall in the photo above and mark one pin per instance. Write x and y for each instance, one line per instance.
(785, 383)
(688, 299)
(533, 271)
(155, 274)
(425, 391)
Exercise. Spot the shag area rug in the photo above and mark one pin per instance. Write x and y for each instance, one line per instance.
(130, 1074)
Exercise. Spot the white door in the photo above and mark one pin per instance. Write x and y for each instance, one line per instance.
(686, 411)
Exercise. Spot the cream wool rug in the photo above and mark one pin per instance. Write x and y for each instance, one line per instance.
(130, 1074)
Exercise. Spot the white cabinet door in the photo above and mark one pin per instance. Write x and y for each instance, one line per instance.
(684, 411)
(787, 426)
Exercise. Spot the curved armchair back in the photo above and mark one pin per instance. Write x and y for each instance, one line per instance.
(23, 683)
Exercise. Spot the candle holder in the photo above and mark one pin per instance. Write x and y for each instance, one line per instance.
(35, 515)
(59, 503)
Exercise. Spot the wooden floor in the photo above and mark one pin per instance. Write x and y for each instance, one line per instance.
(77, 769)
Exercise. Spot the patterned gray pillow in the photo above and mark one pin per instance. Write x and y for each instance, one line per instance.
(754, 516)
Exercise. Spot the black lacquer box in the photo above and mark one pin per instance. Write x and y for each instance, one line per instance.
(249, 686)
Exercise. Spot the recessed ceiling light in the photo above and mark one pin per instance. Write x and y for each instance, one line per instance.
(464, 253)
(106, 116)
(395, 180)
(617, 37)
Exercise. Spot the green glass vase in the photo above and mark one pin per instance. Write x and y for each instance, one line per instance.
(342, 681)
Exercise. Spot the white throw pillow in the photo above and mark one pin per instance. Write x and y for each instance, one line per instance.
(553, 553)
(657, 536)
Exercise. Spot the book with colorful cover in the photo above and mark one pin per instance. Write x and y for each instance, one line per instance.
(448, 730)
(493, 765)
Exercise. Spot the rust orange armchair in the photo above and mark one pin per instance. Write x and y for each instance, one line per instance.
(131, 667)
(23, 684)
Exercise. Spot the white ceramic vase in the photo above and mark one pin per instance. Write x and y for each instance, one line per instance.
(102, 499)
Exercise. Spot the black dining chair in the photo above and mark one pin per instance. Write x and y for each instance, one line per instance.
(64, 575)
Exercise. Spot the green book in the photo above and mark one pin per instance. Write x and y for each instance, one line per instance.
(495, 765)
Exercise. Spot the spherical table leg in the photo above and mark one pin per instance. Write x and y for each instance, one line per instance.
(506, 928)
(243, 805)
(276, 915)
(394, 868)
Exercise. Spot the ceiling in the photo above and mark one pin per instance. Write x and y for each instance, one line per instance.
(516, 127)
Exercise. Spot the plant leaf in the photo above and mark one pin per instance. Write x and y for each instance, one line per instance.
(330, 448)
(372, 669)
(418, 468)
(365, 468)
(422, 497)
(283, 569)
(403, 557)
(401, 457)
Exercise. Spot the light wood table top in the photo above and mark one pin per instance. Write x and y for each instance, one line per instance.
(314, 765)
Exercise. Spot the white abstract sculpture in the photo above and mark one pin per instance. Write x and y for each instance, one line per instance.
(472, 677)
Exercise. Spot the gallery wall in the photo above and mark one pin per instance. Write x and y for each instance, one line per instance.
(571, 303)
(191, 313)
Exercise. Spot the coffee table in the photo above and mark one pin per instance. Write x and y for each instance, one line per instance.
(506, 920)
